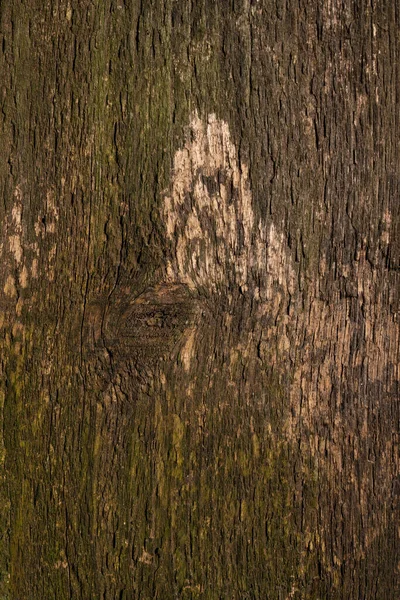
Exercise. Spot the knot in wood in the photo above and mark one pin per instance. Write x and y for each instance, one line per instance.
(151, 324)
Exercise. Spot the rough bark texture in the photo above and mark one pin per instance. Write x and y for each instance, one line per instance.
(199, 294)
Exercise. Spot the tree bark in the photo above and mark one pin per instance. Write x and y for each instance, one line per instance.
(199, 299)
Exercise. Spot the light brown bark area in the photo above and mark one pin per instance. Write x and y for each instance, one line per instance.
(200, 296)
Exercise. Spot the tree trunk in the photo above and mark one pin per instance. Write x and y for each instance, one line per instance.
(199, 299)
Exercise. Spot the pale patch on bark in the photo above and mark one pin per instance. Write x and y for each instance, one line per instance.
(208, 210)
(35, 268)
(9, 288)
(16, 214)
(279, 266)
(68, 14)
(188, 350)
(23, 277)
(19, 255)
(13, 228)
(15, 247)
(210, 222)
(146, 558)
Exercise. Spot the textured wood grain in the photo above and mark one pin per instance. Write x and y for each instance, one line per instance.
(199, 299)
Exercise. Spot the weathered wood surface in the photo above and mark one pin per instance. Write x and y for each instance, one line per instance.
(199, 299)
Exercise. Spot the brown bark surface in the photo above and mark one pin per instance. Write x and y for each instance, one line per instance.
(199, 299)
